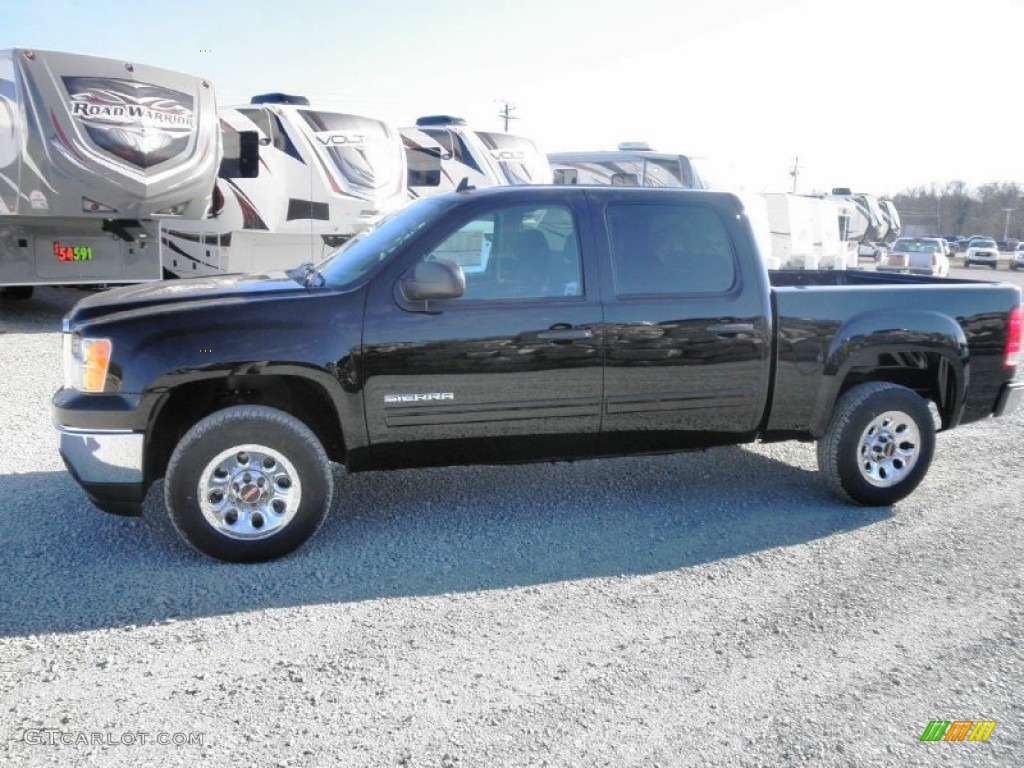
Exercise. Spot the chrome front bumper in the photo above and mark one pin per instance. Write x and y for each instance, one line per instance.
(96, 457)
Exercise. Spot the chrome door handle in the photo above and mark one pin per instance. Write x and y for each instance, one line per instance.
(566, 334)
(730, 329)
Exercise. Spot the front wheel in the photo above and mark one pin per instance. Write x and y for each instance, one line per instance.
(878, 445)
(248, 483)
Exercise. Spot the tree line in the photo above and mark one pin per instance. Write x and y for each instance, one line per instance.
(956, 209)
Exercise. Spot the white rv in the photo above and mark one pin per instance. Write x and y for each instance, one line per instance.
(324, 176)
(808, 232)
(873, 223)
(793, 231)
(96, 154)
(635, 164)
(443, 152)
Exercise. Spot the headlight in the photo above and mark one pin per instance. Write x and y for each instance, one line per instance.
(86, 362)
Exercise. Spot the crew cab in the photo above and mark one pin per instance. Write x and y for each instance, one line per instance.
(515, 324)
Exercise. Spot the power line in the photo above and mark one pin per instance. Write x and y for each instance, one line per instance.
(506, 113)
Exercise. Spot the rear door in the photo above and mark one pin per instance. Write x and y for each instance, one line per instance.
(687, 321)
(513, 368)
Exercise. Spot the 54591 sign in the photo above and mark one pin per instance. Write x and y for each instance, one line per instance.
(71, 253)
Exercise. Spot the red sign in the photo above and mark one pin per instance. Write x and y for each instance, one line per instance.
(70, 253)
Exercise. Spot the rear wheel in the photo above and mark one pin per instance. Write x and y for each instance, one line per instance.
(878, 445)
(248, 483)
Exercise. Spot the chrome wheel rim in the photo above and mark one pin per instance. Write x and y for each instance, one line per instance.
(249, 492)
(889, 449)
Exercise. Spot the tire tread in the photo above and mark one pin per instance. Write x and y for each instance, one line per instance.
(169, 519)
(847, 408)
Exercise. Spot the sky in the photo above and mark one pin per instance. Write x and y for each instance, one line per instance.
(876, 95)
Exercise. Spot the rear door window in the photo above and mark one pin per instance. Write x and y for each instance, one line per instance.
(661, 249)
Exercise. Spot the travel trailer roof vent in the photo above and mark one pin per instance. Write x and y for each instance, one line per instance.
(439, 120)
(841, 191)
(279, 98)
(635, 146)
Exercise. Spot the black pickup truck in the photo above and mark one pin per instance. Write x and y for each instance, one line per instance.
(515, 324)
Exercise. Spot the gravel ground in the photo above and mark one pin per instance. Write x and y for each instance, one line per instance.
(706, 609)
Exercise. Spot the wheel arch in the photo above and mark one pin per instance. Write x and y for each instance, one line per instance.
(185, 402)
(925, 351)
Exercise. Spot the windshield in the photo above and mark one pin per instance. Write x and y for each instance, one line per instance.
(362, 253)
(983, 244)
(917, 246)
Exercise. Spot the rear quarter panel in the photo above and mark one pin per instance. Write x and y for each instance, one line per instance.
(825, 331)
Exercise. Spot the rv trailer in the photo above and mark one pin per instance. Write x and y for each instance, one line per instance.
(325, 176)
(792, 231)
(443, 152)
(874, 223)
(95, 155)
(635, 164)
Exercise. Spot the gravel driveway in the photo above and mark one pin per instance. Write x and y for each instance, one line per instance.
(705, 609)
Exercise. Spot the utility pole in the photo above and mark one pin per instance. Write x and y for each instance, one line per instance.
(1006, 231)
(795, 172)
(506, 113)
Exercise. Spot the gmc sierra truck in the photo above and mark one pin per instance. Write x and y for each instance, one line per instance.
(507, 325)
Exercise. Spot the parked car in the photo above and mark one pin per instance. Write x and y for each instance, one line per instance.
(607, 321)
(917, 256)
(982, 251)
(1017, 257)
(946, 247)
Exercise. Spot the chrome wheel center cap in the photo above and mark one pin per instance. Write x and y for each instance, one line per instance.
(250, 494)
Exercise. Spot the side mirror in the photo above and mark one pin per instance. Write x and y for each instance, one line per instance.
(433, 280)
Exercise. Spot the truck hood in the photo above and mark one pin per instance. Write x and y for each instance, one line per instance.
(193, 289)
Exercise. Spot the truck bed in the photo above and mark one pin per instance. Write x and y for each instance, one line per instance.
(827, 322)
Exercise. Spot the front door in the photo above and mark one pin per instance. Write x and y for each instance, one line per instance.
(510, 370)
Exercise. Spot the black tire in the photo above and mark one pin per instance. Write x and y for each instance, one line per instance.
(17, 292)
(904, 447)
(276, 480)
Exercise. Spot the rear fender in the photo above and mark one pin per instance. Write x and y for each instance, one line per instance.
(862, 338)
